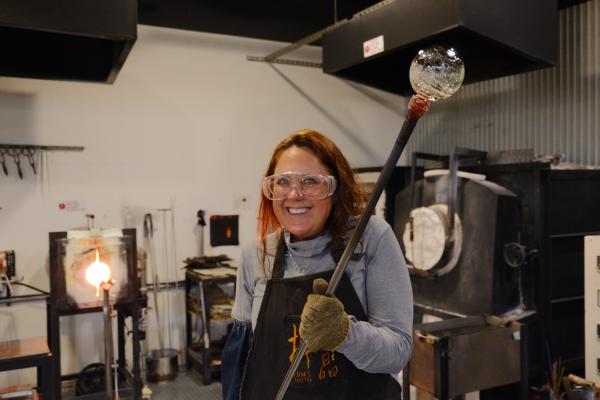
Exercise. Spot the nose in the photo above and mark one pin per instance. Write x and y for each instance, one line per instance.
(295, 193)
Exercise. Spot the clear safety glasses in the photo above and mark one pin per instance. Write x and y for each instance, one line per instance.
(308, 186)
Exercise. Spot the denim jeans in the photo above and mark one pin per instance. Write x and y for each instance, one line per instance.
(234, 358)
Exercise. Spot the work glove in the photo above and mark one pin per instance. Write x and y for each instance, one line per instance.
(324, 325)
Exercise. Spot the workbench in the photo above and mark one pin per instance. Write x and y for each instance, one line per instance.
(29, 353)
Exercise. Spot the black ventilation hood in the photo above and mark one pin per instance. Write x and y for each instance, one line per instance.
(493, 37)
(79, 40)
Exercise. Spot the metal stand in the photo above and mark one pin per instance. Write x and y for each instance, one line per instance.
(108, 342)
(131, 306)
(123, 311)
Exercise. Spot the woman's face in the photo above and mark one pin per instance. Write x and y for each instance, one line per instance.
(303, 218)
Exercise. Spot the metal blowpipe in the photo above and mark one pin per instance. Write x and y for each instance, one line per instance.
(435, 74)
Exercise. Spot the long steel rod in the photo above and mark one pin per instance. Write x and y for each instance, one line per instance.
(108, 345)
(313, 37)
(417, 107)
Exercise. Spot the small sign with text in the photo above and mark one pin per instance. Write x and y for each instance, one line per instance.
(71, 205)
(373, 46)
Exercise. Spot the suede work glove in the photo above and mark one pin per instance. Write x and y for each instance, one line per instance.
(324, 325)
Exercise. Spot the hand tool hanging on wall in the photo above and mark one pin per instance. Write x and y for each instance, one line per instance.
(175, 260)
(435, 74)
(167, 264)
(3, 153)
(149, 239)
(163, 364)
(29, 151)
(16, 155)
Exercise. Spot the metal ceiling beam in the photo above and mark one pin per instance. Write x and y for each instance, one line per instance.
(275, 57)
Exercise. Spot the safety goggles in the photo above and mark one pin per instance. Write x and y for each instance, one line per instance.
(309, 186)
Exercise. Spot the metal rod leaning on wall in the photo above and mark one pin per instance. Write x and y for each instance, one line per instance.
(149, 241)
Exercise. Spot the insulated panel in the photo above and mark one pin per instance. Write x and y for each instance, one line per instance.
(592, 307)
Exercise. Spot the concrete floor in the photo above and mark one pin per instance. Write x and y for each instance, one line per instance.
(187, 386)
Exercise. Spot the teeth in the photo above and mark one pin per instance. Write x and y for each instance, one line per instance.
(298, 210)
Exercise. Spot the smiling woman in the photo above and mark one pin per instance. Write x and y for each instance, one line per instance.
(312, 152)
(309, 206)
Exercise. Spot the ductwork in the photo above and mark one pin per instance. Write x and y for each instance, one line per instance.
(80, 40)
(493, 37)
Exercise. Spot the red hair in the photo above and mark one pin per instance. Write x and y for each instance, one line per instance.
(348, 199)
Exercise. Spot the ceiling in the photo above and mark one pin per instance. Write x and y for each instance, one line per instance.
(284, 21)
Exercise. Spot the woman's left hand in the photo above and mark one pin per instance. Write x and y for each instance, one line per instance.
(324, 325)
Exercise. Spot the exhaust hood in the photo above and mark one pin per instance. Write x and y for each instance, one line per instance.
(79, 40)
(493, 37)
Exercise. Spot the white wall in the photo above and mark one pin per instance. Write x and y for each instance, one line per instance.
(190, 123)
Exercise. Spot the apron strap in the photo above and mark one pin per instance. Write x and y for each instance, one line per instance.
(278, 262)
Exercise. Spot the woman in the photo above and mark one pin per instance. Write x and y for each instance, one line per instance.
(310, 199)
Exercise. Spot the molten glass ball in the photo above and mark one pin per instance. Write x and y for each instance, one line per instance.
(436, 73)
(97, 273)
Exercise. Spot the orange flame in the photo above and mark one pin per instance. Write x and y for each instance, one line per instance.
(97, 273)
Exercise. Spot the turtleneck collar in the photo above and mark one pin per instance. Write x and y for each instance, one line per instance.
(308, 248)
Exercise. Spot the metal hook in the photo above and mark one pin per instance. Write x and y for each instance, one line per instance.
(16, 155)
(3, 161)
(29, 152)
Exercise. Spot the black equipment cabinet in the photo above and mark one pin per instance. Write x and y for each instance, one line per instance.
(560, 207)
(205, 354)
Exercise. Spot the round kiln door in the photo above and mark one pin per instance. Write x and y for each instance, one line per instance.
(426, 242)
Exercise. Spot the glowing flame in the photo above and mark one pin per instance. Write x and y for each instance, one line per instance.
(97, 273)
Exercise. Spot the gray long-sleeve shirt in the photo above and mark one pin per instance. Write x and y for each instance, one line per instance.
(382, 344)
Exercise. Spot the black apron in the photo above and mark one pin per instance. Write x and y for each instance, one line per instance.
(322, 375)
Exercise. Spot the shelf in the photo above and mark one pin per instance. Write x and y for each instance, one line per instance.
(206, 361)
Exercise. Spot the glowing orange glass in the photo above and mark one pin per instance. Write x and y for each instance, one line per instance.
(97, 273)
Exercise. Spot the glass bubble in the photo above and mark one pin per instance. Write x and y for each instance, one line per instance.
(436, 73)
